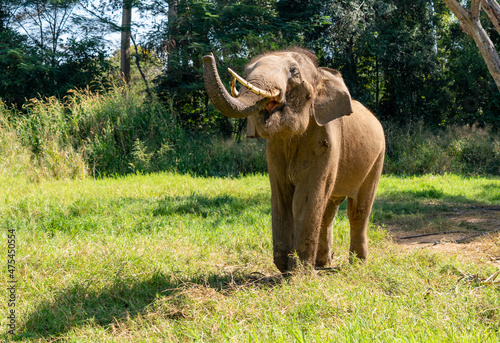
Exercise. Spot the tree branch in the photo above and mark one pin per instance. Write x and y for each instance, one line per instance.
(139, 66)
(475, 8)
(27, 32)
(472, 26)
(102, 19)
(462, 14)
(492, 9)
(457, 9)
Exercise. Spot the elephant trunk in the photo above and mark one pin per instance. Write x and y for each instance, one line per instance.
(222, 100)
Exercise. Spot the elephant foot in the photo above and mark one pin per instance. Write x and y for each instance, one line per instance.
(281, 261)
(288, 263)
(300, 266)
(356, 258)
(323, 262)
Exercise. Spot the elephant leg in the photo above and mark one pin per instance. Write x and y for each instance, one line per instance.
(359, 209)
(282, 222)
(310, 201)
(324, 254)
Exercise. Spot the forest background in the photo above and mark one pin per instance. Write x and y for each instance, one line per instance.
(65, 111)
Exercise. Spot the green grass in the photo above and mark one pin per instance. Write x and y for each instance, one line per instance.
(169, 257)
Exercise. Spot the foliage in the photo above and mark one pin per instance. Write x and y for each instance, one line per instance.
(404, 60)
(475, 96)
(42, 63)
(19, 68)
(119, 132)
(169, 257)
(25, 77)
(457, 149)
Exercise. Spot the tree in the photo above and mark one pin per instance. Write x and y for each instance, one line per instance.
(8, 9)
(470, 22)
(125, 40)
(16, 62)
(410, 85)
(102, 14)
(45, 51)
(45, 22)
(234, 32)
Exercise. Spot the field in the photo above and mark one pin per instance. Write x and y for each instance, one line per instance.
(170, 257)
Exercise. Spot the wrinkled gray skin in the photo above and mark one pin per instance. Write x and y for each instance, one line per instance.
(322, 147)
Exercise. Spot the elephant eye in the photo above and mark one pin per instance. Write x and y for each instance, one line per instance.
(294, 71)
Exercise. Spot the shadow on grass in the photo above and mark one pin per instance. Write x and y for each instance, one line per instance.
(425, 201)
(433, 209)
(491, 192)
(204, 206)
(86, 303)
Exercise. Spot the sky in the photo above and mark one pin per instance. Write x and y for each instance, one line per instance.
(142, 23)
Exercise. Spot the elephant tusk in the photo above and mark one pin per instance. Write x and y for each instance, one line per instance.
(252, 88)
(234, 91)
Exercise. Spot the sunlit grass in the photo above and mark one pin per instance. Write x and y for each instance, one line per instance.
(169, 257)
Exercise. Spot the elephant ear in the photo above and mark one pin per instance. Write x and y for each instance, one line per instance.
(332, 98)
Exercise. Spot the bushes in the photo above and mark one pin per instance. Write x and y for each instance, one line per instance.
(114, 133)
(461, 150)
(125, 132)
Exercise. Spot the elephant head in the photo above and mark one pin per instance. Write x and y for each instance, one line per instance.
(283, 91)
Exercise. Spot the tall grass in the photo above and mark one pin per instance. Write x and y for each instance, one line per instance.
(469, 150)
(14, 157)
(123, 131)
(119, 132)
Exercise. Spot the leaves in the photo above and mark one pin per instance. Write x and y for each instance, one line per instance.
(407, 61)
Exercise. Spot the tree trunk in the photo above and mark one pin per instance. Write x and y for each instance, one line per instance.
(471, 24)
(171, 42)
(125, 40)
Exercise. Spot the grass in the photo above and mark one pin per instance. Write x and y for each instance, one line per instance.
(170, 257)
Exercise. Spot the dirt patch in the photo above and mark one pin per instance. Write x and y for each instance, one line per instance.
(473, 233)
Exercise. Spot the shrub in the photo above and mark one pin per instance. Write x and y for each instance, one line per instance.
(463, 150)
(123, 131)
(118, 132)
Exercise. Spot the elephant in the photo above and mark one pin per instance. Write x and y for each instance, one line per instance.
(322, 147)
